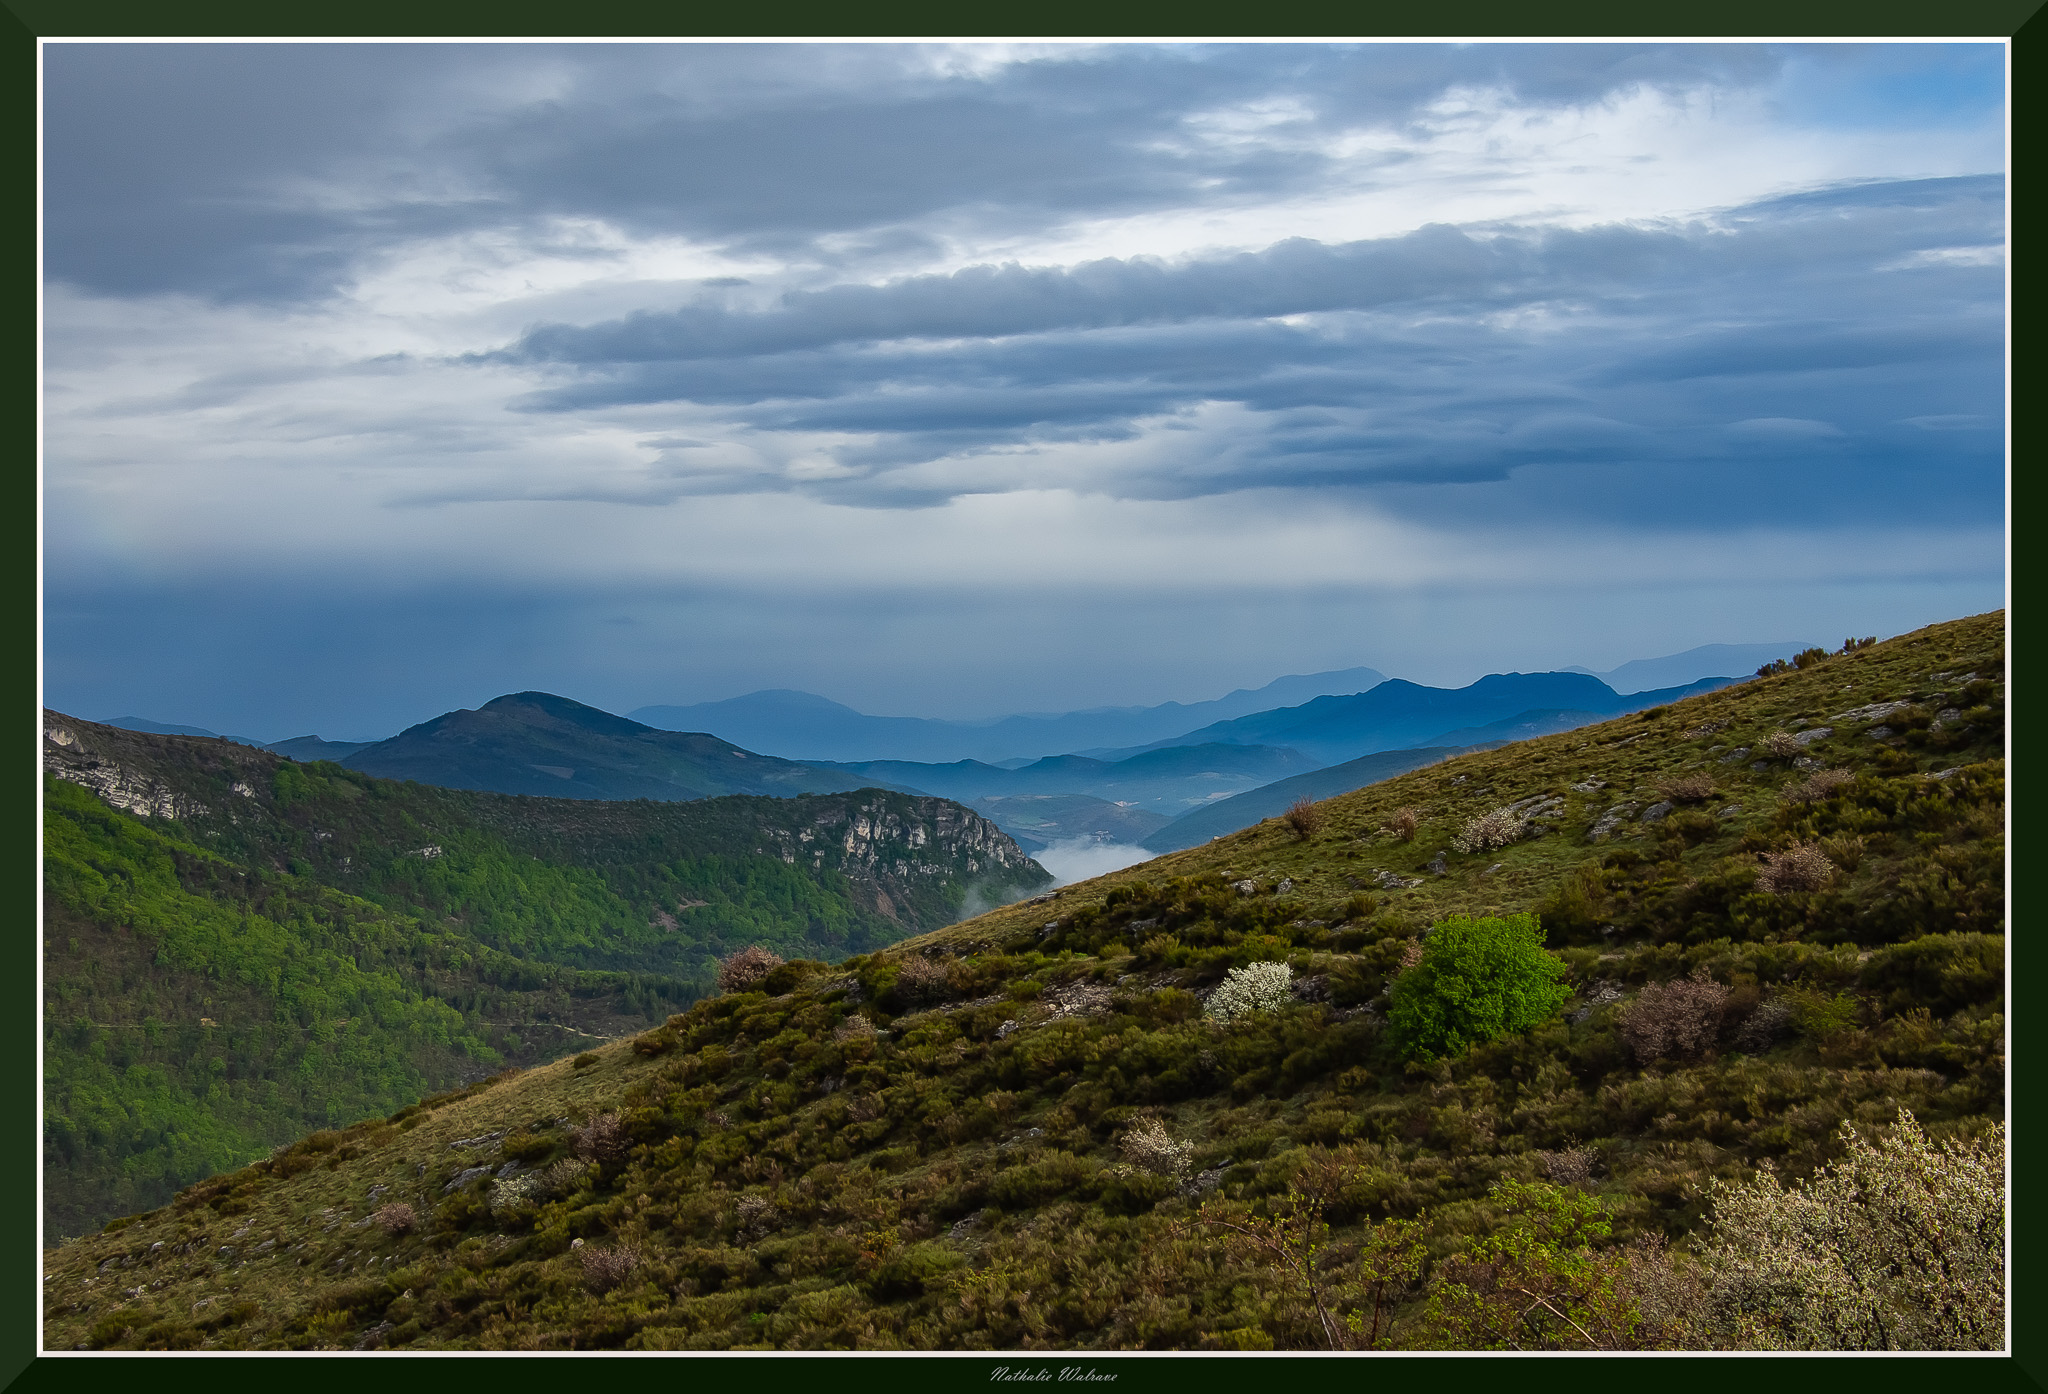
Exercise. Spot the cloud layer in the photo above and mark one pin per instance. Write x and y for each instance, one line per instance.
(771, 341)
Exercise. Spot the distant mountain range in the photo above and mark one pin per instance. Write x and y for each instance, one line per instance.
(302, 748)
(1273, 799)
(168, 728)
(1399, 714)
(539, 744)
(1169, 781)
(804, 726)
(1678, 669)
(311, 748)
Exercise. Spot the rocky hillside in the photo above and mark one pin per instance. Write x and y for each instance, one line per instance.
(1115, 1116)
(238, 948)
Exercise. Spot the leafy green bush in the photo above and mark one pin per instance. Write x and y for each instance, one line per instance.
(913, 1270)
(1939, 971)
(1547, 1279)
(1478, 979)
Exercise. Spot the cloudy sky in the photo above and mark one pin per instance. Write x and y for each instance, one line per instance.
(961, 380)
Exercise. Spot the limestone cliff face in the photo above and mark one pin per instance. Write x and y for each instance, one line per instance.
(903, 842)
(131, 772)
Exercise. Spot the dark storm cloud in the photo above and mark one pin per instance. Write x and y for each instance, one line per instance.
(272, 171)
(1295, 277)
(1434, 268)
(1446, 354)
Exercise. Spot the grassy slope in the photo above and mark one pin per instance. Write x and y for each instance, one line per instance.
(1628, 755)
(1240, 810)
(952, 1183)
(343, 974)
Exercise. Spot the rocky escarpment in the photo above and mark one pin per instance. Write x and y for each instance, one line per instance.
(153, 776)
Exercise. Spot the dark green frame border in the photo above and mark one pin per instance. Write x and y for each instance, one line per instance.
(23, 21)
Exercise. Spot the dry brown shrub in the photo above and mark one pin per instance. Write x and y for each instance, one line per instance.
(397, 1218)
(1402, 823)
(1691, 788)
(562, 1176)
(1306, 817)
(755, 1212)
(920, 980)
(602, 1139)
(1679, 1018)
(854, 1028)
(606, 1266)
(1800, 867)
(1571, 1167)
(745, 969)
(1819, 785)
(1667, 1294)
(1410, 956)
(1779, 745)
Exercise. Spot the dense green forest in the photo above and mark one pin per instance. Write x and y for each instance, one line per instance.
(322, 946)
(199, 1013)
(1625, 1038)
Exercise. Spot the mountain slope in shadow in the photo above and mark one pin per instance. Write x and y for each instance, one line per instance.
(540, 744)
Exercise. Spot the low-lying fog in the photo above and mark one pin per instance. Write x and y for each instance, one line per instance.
(1079, 858)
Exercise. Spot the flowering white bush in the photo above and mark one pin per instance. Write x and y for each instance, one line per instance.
(1260, 987)
(536, 1186)
(1897, 1246)
(1150, 1146)
(1496, 828)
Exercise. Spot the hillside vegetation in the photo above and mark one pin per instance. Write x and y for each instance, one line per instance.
(247, 948)
(1320, 1083)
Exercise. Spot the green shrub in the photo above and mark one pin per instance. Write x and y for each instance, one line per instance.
(1576, 906)
(1940, 971)
(912, 1270)
(529, 1148)
(1478, 979)
(1022, 1187)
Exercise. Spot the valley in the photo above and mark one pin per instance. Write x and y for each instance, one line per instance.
(238, 948)
(1766, 913)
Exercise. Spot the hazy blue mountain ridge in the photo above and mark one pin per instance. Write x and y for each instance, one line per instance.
(307, 749)
(1520, 727)
(1170, 780)
(1399, 714)
(1268, 801)
(1678, 669)
(804, 726)
(171, 728)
